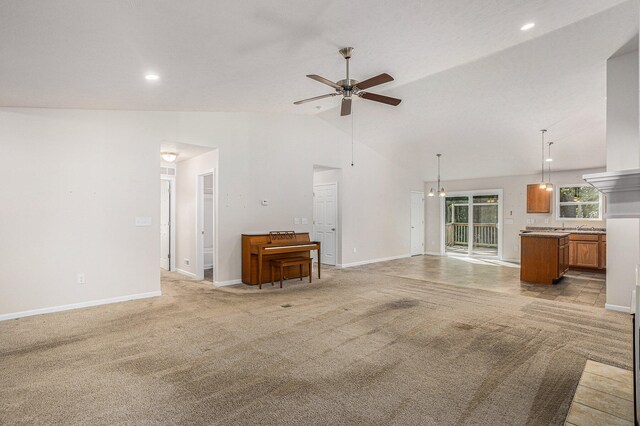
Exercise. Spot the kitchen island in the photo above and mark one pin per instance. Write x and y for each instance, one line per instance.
(544, 256)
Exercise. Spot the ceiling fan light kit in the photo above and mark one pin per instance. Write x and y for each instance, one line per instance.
(349, 87)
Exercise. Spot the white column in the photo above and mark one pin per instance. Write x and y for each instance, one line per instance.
(623, 153)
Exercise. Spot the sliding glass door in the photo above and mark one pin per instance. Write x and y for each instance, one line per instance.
(472, 223)
(457, 224)
(485, 225)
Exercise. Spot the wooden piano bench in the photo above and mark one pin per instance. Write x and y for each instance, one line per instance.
(292, 261)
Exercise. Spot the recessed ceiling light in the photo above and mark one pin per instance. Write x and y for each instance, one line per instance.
(152, 77)
(527, 27)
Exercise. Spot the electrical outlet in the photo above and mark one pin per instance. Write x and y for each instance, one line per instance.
(80, 278)
(305, 221)
(187, 262)
(546, 220)
(296, 221)
(354, 249)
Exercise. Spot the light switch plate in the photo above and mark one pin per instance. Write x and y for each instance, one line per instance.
(143, 221)
(305, 221)
(296, 221)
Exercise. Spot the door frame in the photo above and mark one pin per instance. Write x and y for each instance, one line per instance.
(337, 231)
(423, 227)
(199, 184)
(470, 194)
(172, 220)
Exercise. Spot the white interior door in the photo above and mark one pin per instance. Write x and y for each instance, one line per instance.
(325, 220)
(417, 223)
(165, 224)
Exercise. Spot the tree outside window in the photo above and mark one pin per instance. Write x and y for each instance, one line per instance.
(579, 202)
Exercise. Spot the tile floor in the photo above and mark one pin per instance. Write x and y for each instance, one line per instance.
(604, 397)
(587, 288)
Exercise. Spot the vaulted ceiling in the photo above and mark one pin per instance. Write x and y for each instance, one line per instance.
(474, 86)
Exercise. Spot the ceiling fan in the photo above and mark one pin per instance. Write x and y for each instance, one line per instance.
(348, 87)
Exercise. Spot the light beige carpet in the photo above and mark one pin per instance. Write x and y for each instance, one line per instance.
(352, 348)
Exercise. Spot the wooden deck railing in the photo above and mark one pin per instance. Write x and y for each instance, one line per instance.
(484, 234)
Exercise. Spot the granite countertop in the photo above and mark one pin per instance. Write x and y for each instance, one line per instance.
(545, 234)
(598, 231)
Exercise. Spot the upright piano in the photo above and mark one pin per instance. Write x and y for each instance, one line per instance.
(259, 249)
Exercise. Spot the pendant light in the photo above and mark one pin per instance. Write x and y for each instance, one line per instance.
(441, 192)
(549, 184)
(543, 184)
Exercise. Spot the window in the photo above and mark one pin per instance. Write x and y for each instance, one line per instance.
(581, 202)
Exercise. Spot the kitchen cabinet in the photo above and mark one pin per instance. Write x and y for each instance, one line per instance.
(544, 256)
(586, 251)
(538, 199)
(563, 264)
(603, 252)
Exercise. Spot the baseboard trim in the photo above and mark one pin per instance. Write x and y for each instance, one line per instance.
(226, 283)
(187, 273)
(617, 308)
(433, 253)
(366, 262)
(80, 305)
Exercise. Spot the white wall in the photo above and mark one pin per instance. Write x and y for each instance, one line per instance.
(186, 173)
(514, 207)
(623, 153)
(72, 184)
(75, 180)
(623, 150)
(376, 206)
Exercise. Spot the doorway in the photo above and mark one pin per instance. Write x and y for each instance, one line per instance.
(205, 227)
(167, 227)
(417, 223)
(471, 223)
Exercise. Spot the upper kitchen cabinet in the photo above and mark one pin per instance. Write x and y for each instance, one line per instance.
(538, 199)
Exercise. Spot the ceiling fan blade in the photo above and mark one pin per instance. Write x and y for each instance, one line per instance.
(374, 81)
(325, 81)
(346, 107)
(380, 98)
(314, 98)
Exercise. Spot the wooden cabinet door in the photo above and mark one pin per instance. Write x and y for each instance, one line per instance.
(572, 253)
(603, 255)
(563, 259)
(538, 199)
(584, 253)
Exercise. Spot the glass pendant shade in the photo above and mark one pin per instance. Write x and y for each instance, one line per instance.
(441, 192)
